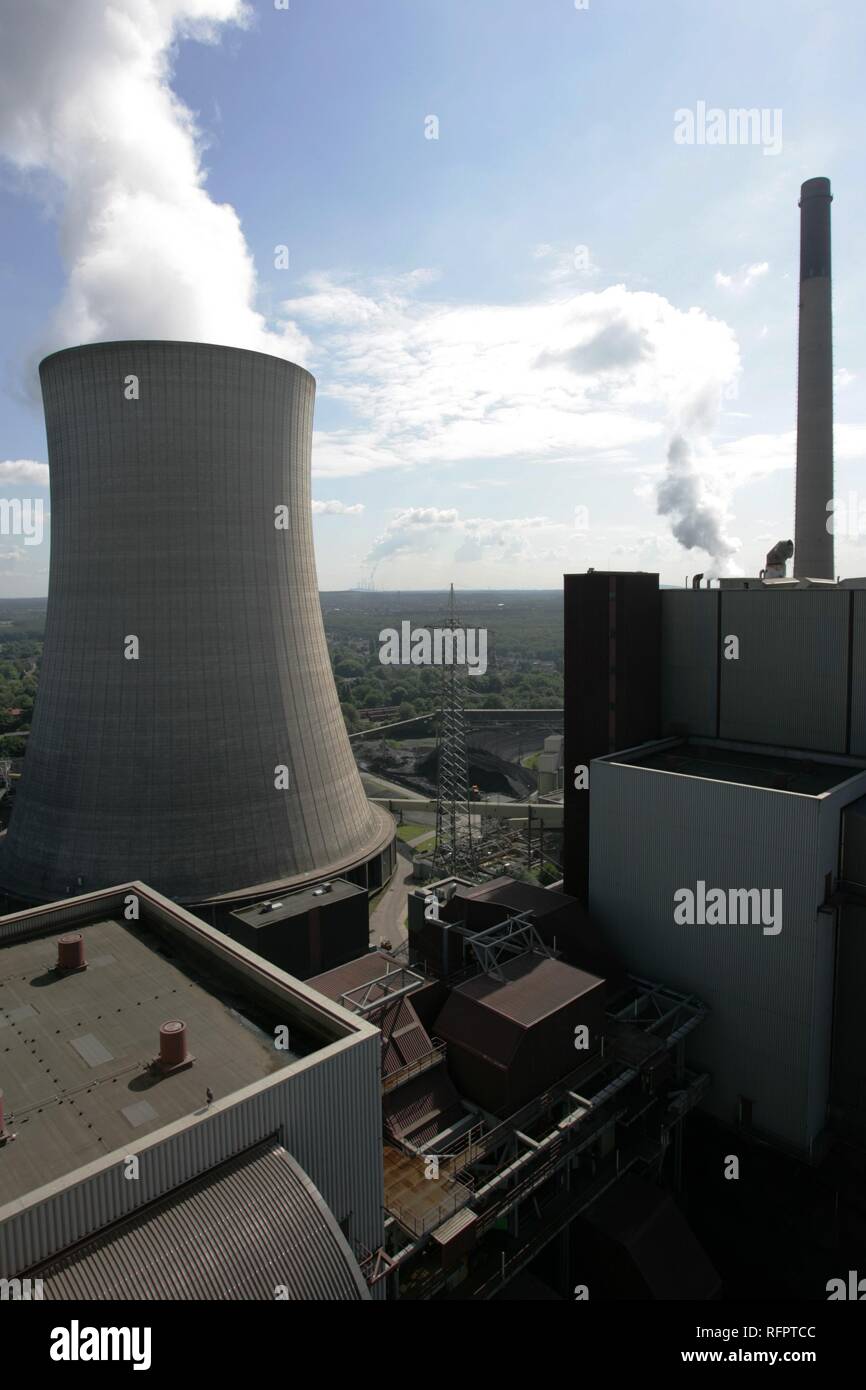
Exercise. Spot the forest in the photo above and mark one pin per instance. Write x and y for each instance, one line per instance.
(524, 653)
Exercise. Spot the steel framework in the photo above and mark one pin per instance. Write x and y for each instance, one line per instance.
(454, 851)
(514, 937)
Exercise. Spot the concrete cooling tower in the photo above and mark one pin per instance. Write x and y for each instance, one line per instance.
(187, 730)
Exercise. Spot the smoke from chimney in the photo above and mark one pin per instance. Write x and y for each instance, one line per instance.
(698, 517)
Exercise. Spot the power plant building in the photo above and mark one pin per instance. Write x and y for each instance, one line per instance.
(745, 781)
(683, 815)
(160, 1077)
(716, 755)
(187, 731)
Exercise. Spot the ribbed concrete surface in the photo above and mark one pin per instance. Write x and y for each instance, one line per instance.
(162, 527)
(245, 1230)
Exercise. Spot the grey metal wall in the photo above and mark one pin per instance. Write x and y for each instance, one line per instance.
(327, 1113)
(789, 686)
(848, 1089)
(858, 675)
(163, 527)
(770, 997)
(690, 661)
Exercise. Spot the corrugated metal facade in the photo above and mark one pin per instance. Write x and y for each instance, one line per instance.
(790, 684)
(327, 1112)
(247, 1230)
(767, 1037)
(848, 1089)
(858, 675)
(800, 680)
(690, 660)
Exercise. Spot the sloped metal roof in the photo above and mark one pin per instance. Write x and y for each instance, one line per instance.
(253, 1228)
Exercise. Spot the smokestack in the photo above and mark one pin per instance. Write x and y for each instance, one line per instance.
(813, 543)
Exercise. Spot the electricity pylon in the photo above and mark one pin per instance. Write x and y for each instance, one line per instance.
(454, 852)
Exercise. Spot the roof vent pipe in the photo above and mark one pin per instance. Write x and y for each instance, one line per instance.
(696, 582)
(70, 952)
(173, 1052)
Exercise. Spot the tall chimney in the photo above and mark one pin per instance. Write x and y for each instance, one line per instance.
(813, 543)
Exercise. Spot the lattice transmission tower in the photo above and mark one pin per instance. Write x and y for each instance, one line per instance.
(454, 852)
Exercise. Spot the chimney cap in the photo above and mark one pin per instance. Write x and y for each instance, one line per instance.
(815, 188)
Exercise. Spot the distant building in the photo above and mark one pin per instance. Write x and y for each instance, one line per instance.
(549, 765)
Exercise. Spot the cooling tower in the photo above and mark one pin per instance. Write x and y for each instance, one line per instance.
(187, 730)
(813, 543)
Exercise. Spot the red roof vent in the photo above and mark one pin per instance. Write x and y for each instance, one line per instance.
(70, 952)
(173, 1052)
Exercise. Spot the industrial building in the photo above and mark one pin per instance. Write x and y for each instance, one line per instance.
(517, 1089)
(187, 731)
(157, 1075)
(738, 772)
(716, 740)
(307, 931)
(674, 814)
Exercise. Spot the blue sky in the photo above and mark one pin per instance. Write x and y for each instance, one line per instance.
(529, 333)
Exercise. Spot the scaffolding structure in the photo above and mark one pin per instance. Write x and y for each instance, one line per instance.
(454, 851)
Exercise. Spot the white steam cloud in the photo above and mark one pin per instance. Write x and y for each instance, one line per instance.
(85, 97)
(698, 516)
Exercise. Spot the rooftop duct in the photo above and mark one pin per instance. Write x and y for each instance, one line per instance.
(70, 952)
(174, 1054)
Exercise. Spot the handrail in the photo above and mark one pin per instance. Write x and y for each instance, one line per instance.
(415, 1067)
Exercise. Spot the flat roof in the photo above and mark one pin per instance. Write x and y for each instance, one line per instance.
(296, 903)
(75, 1048)
(534, 986)
(776, 772)
(360, 971)
(512, 894)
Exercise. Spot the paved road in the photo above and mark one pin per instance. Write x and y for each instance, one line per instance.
(386, 923)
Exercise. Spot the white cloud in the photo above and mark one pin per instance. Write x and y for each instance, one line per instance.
(743, 279)
(575, 378)
(754, 456)
(86, 96)
(843, 378)
(531, 540)
(24, 471)
(335, 508)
